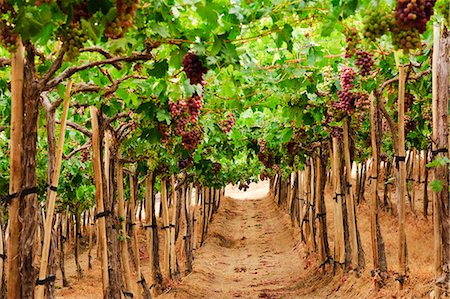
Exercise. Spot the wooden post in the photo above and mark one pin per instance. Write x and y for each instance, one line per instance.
(351, 210)
(97, 167)
(123, 224)
(173, 253)
(15, 180)
(441, 213)
(51, 193)
(166, 226)
(149, 221)
(339, 220)
(374, 185)
(401, 176)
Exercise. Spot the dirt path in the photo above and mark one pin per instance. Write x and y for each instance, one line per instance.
(250, 253)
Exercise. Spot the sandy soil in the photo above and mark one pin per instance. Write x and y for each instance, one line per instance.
(253, 251)
(250, 253)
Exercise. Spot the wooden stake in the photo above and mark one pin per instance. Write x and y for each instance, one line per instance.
(374, 185)
(339, 220)
(401, 176)
(351, 210)
(165, 214)
(97, 167)
(173, 254)
(441, 213)
(123, 219)
(15, 180)
(51, 193)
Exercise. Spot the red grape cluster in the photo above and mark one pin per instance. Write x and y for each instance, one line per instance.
(263, 175)
(414, 13)
(409, 100)
(164, 129)
(364, 61)
(8, 38)
(85, 154)
(216, 167)
(346, 96)
(126, 11)
(195, 105)
(192, 137)
(336, 132)
(193, 67)
(184, 112)
(362, 100)
(346, 101)
(227, 124)
(40, 2)
(347, 77)
(410, 124)
(351, 37)
(264, 156)
(185, 163)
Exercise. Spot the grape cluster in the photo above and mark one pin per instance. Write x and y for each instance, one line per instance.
(263, 175)
(192, 137)
(410, 124)
(195, 105)
(351, 37)
(228, 124)
(73, 39)
(216, 167)
(164, 129)
(346, 101)
(414, 14)
(336, 132)
(193, 67)
(126, 11)
(185, 163)
(408, 39)
(264, 156)
(184, 112)
(364, 61)
(409, 100)
(362, 100)
(376, 23)
(347, 77)
(40, 2)
(346, 98)
(84, 155)
(8, 38)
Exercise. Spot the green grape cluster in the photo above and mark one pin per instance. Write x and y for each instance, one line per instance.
(152, 159)
(443, 9)
(376, 23)
(73, 38)
(352, 39)
(406, 39)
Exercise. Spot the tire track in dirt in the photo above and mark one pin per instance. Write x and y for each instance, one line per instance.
(250, 252)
